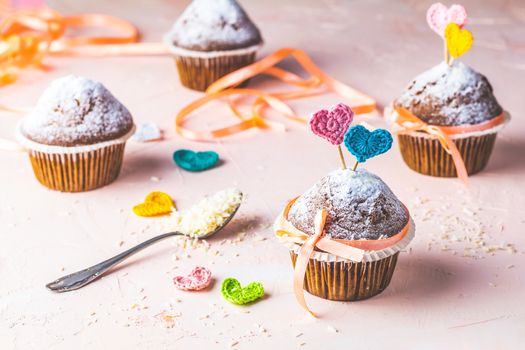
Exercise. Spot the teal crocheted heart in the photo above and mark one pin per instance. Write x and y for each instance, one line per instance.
(232, 291)
(195, 161)
(364, 144)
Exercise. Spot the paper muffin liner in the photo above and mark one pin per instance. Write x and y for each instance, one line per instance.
(424, 154)
(347, 281)
(331, 277)
(198, 70)
(78, 168)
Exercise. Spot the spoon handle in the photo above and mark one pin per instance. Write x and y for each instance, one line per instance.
(81, 278)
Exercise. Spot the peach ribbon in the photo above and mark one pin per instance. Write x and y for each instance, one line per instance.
(353, 250)
(409, 122)
(318, 83)
(27, 36)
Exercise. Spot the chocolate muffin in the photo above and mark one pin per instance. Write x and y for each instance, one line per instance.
(75, 111)
(450, 95)
(214, 25)
(76, 135)
(362, 215)
(210, 39)
(359, 205)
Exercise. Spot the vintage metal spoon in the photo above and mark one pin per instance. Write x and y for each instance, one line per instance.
(81, 278)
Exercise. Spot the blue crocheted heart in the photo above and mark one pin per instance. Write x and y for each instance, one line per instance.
(364, 144)
(195, 161)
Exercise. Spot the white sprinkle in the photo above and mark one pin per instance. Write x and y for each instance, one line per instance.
(332, 329)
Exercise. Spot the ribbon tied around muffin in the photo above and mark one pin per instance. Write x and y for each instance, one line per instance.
(408, 122)
(353, 250)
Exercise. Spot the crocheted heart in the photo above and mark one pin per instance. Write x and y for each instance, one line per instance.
(439, 16)
(198, 279)
(459, 41)
(332, 125)
(195, 161)
(156, 203)
(364, 144)
(233, 292)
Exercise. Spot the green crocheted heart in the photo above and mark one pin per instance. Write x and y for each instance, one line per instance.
(233, 292)
(195, 161)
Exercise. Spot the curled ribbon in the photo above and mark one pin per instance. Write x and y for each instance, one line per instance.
(318, 83)
(353, 250)
(27, 36)
(409, 122)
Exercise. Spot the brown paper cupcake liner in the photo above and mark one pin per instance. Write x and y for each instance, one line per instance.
(78, 172)
(347, 280)
(424, 154)
(332, 277)
(198, 70)
(77, 168)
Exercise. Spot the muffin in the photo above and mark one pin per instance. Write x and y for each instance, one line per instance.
(362, 212)
(450, 97)
(76, 135)
(210, 39)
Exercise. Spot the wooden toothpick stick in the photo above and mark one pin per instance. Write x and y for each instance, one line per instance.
(341, 157)
(445, 49)
(355, 166)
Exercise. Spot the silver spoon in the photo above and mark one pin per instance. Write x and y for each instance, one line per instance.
(81, 278)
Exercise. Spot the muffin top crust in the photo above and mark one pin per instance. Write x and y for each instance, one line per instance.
(450, 95)
(214, 25)
(359, 205)
(75, 111)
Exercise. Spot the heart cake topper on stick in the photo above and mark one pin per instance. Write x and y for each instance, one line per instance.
(365, 144)
(458, 40)
(332, 125)
(440, 17)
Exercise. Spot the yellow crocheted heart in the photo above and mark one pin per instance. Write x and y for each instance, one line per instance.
(459, 41)
(156, 203)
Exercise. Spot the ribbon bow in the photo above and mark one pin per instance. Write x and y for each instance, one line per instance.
(409, 122)
(318, 83)
(353, 250)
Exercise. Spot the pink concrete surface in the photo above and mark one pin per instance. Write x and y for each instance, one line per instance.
(447, 292)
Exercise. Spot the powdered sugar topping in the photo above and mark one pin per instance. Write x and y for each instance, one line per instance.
(214, 25)
(76, 111)
(359, 206)
(450, 95)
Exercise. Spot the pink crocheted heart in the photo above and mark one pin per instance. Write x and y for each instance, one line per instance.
(439, 16)
(332, 125)
(198, 279)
